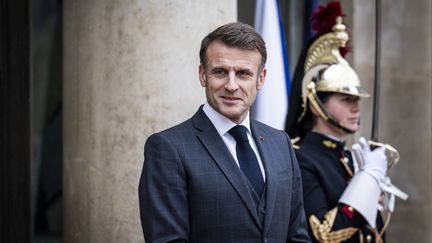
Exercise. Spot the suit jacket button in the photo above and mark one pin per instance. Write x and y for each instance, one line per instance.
(262, 210)
(265, 240)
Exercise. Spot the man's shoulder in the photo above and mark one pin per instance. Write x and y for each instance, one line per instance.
(182, 127)
(262, 127)
(277, 136)
(196, 122)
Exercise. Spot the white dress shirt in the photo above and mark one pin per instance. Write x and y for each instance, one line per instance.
(223, 125)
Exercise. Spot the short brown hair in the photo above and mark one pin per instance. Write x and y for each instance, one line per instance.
(238, 35)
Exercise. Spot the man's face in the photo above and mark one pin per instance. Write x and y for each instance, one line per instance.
(231, 79)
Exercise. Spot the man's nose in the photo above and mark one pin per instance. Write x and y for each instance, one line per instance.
(231, 84)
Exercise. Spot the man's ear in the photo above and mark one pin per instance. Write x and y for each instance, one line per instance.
(261, 78)
(202, 75)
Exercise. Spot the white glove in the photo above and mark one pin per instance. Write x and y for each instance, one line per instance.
(375, 162)
(364, 190)
(370, 181)
(362, 193)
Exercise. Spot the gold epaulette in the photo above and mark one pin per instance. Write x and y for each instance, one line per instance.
(323, 230)
(294, 142)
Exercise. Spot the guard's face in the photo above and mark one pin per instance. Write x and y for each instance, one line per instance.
(345, 109)
(231, 79)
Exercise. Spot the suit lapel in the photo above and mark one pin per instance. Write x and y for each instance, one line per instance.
(214, 144)
(265, 150)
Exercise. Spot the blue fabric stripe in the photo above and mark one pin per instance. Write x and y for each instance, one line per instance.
(284, 52)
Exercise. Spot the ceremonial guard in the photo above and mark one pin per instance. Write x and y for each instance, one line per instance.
(345, 190)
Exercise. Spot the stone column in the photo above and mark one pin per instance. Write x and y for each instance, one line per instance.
(130, 69)
(405, 103)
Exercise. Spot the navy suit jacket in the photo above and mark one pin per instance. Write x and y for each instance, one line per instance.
(192, 190)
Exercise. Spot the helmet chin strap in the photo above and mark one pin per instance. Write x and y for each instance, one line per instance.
(322, 111)
(335, 123)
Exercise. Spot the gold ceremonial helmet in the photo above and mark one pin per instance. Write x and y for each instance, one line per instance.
(327, 71)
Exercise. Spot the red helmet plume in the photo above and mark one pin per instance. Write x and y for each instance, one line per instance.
(324, 18)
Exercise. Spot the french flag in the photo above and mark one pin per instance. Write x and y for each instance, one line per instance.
(271, 105)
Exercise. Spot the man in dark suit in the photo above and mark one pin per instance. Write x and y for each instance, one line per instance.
(219, 176)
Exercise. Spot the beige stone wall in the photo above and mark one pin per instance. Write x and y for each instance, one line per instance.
(405, 103)
(130, 69)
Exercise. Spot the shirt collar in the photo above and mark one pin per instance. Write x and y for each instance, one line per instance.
(330, 136)
(223, 124)
(325, 140)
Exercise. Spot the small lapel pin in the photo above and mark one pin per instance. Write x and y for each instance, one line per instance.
(261, 138)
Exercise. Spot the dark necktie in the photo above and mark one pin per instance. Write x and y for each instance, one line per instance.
(247, 159)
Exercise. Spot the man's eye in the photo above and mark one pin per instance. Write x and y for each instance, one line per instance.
(219, 72)
(243, 73)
